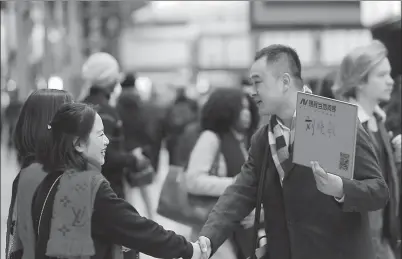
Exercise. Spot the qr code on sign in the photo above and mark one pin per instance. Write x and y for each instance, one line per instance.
(344, 162)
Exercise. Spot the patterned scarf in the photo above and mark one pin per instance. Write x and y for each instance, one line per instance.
(70, 232)
(277, 143)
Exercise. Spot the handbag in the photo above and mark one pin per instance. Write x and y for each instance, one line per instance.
(177, 204)
(260, 252)
(142, 175)
(173, 201)
(139, 178)
(203, 203)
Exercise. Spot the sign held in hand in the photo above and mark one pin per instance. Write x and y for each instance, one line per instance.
(325, 131)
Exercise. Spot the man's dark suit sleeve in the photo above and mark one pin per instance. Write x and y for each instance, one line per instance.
(368, 190)
(237, 201)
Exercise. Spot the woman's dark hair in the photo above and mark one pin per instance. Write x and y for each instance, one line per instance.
(31, 127)
(129, 81)
(73, 122)
(325, 89)
(222, 109)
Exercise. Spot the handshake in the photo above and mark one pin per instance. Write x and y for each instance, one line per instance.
(201, 248)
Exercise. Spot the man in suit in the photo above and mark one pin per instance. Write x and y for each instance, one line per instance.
(308, 213)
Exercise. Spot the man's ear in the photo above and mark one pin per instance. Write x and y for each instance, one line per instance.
(78, 145)
(286, 81)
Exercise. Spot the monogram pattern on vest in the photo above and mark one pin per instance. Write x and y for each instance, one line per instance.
(65, 201)
(79, 216)
(69, 174)
(81, 187)
(64, 230)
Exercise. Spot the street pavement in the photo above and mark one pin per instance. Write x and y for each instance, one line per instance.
(9, 170)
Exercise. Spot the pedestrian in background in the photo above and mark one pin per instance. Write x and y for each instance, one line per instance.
(228, 119)
(102, 75)
(325, 88)
(142, 130)
(181, 113)
(365, 79)
(30, 136)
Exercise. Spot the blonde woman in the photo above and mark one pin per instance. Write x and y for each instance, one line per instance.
(365, 79)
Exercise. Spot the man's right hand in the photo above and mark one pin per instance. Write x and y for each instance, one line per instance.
(205, 245)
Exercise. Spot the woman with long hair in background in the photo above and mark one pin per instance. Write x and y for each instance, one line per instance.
(29, 135)
(228, 119)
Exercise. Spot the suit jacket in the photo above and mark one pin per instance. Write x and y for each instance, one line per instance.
(301, 222)
(392, 176)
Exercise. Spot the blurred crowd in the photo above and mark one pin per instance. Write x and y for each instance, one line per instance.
(208, 137)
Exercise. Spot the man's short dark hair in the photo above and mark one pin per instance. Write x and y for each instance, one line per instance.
(282, 54)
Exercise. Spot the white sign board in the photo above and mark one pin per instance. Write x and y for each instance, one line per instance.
(325, 131)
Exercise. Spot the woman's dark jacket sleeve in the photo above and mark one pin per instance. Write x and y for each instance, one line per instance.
(120, 222)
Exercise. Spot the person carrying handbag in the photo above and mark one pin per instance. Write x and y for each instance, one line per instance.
(140, 177)
(217, 158)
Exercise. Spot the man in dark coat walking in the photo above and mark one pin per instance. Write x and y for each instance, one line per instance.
(308, 213)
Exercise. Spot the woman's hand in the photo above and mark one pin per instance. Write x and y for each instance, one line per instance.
(196, 251)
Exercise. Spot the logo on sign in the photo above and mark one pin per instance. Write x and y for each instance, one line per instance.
(318, 105)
